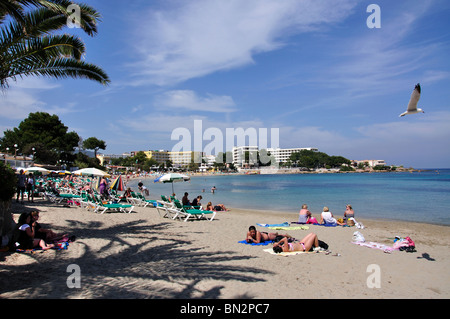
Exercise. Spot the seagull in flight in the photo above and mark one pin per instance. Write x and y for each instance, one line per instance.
(412, 105)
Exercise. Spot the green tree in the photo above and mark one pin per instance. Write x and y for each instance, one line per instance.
(84, 161)
(44, 132)
(93, 143)
(311, 159)
(28, 47)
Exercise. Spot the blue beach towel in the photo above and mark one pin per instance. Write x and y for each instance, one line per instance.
(331, 225)
(326, 225)
(264, 243)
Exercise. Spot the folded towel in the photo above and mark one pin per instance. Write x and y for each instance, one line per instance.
(290, 228)
(285, 224)
(264, 243)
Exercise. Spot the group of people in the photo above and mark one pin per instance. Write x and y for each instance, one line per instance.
(30, 234)
(196, 203)
(25, 183)
(284, 243)
(326, 217)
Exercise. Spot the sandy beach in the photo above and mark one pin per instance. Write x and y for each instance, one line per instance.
(142, 255)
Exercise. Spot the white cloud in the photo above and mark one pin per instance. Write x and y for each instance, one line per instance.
(190, 101)
(24, 96)
(204, 36)
(17, 102)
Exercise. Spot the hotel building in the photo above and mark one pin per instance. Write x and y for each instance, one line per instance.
(281, 155)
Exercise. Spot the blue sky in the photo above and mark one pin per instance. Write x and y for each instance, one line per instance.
(313, 69)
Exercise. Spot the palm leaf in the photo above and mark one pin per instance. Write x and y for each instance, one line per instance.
(27, 46)
(62, 68)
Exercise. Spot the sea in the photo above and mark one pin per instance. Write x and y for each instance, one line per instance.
(419, 196)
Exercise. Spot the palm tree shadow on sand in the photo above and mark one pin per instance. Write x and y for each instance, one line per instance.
(172, 269)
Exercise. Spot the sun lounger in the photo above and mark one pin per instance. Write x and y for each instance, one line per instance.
(143, 201)
(102, 207)
(186, 214)
(163, 207)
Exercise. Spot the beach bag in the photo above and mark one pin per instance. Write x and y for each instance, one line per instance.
(358, 237)
(323, 244)
(411, 242)
(351, 222)
(405, 244)
(312, 220)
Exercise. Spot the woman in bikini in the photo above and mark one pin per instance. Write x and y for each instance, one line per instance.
(308, 242)
(254, 236)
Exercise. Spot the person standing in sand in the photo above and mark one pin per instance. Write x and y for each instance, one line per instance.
(20, 185)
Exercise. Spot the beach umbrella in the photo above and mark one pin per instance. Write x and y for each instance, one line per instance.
(62, 172)
(41, 170)
(91, 171)
(117, 184)
(172, 178)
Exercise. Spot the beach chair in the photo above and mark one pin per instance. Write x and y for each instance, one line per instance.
(186, 214)
(163, 207)
(143, 201)
(103, 207)
(134, 200)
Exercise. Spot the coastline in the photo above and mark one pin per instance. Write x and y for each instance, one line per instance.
(295, 171)
(368, 213)
(142, 255)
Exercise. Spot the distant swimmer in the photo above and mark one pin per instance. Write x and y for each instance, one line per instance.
(213, 189)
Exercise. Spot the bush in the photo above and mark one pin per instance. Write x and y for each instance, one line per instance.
(8, 182)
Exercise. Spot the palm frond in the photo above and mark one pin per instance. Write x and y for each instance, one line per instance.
(63, 68)
(11, 8)
(27, 46)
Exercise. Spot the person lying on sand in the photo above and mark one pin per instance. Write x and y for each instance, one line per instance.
(255, 236)
(308, 242)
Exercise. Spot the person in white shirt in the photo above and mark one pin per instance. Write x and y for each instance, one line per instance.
(327, 218)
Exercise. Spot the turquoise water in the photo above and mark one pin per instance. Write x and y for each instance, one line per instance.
(417, 196)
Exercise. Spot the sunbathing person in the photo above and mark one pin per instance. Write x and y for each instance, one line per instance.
(255, 236)
(196, 202)
(327, 218)
(46, 234)
(304, 215)
(308, 242)
(26, 238)
(216, 208)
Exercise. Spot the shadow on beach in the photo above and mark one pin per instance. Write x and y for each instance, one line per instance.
(133, 260)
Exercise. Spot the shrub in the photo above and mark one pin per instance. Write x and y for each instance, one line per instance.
(8, 182)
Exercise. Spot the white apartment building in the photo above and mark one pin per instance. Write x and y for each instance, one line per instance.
(239, 155)
(370, 163)
(282, 155)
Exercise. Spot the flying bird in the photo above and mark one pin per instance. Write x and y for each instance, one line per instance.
(412, 105)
